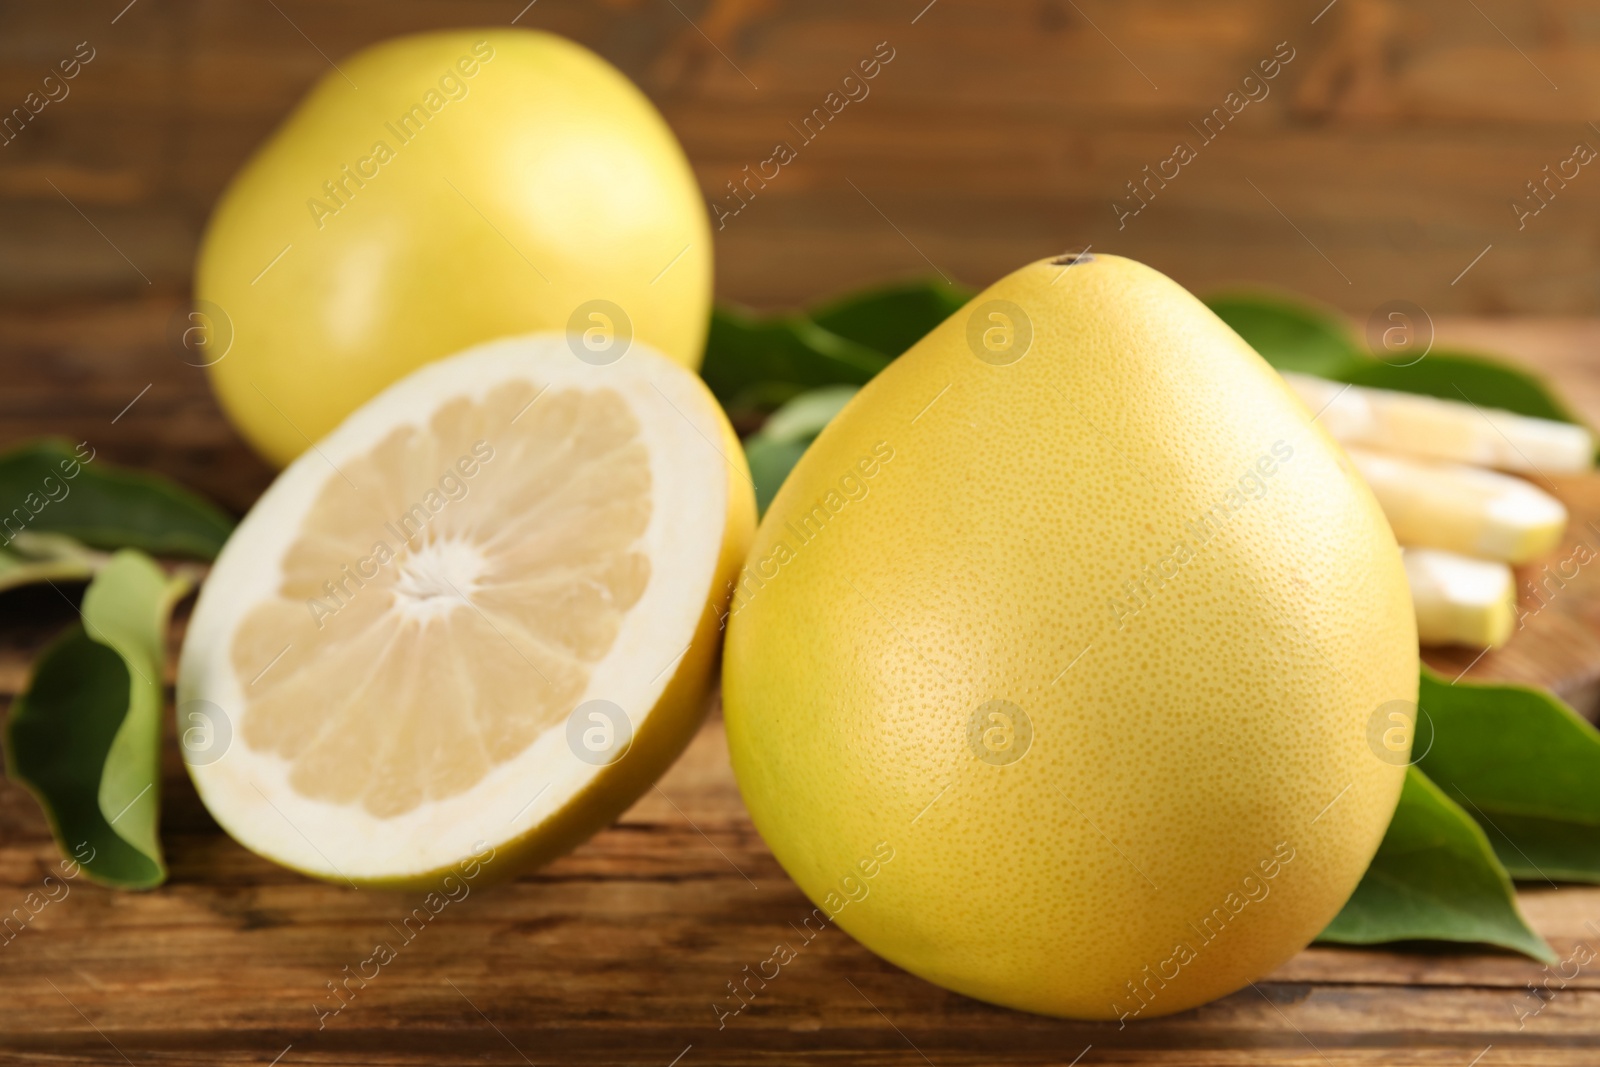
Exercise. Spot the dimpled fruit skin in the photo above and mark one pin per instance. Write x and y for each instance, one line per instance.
(546, 182)
(1200, 796)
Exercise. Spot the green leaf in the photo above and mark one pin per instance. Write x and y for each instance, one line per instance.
(802, 418)
(1289, 332)
(755, 364)
(1526, 766)
(85, 737)
(778, 446)
(1295, 335)
(891, 318)
(770, 463)
(1462, 376)
(48, 486)
(42, 557)
(1435, 878)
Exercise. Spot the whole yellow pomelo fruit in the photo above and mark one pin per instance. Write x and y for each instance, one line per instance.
(1051, 671)
(434, 192)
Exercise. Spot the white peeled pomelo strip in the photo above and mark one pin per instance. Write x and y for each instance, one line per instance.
(1443, 429)
(1460, 600)
(483, 611)
(1460, 509)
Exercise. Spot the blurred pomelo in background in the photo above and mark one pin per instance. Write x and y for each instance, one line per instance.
(437, 191)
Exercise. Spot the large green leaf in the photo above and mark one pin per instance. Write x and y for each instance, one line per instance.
(756, 364)
(1435, 878)
(1295, 335)
(891, 318)
(1290, 332)
(85, 737)
(1526, 766)
(48, 486)
(1462, 376)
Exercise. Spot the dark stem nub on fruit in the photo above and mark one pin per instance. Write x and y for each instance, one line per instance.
(1067, 259)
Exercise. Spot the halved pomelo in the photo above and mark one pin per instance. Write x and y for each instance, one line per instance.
(483, 612)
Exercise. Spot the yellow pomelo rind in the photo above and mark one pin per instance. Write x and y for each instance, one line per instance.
(1201, 769)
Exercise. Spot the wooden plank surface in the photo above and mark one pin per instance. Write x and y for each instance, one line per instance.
(618, 953)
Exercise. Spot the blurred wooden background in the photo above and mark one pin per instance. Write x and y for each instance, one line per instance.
(1385, 159)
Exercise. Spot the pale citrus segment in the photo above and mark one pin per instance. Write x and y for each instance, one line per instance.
(406, 638)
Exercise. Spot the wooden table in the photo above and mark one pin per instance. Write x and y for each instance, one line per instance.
(617, 953)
